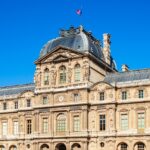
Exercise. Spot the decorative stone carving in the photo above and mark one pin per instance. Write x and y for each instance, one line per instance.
(37, 79)
(53, 77)
(86, 74)
(69, 74)
(111, 119)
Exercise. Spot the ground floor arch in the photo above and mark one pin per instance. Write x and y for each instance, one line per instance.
(139, 146)
(76, 146)
(60, 146)
(122, 146)
(44, 147)
(2, 147)
(13, 147)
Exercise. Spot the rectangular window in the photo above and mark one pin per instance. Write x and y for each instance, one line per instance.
(102, 96)
(141, 94)
(124, 95)
(76, 97)
(28, 103)
(45, 125)
(62, 78)
(102, 123)
(15, 126)
(141, 120)
(124, 121)
(76, 123)
(29, 126)
(45, 100)
(4, 106)
(4, 128)
(16, 105)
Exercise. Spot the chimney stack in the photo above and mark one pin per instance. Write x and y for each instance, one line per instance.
(124, 68)
(106, 47)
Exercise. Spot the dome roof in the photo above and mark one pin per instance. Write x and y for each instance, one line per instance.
(77, 39)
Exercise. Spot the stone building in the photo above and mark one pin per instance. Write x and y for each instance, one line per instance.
(79, 101)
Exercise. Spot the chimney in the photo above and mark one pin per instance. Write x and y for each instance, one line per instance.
(125, 68)
(106, 47)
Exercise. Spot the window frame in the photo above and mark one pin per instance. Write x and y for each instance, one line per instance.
(102, 122)
(77, 73)
(124, 126)
(101, 96)
(62, 74)
(124, 95)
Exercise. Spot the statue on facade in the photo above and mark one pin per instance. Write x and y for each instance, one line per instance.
(69, 74)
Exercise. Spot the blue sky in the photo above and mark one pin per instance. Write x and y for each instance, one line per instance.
(26, 25)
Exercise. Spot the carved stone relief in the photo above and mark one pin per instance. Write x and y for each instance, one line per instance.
(69, 74)
(53, 76)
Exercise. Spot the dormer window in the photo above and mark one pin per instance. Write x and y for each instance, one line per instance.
(102, 96)
(141, 94)
(46, 76)
(124, 95)
(4, 106)
(16, 104)
(62, 74)
(28, 103)
(45, 100)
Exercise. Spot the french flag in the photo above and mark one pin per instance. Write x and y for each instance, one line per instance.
(79, 12)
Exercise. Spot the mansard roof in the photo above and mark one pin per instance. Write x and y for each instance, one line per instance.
(134, 75)
(77, 39)
(16, 89)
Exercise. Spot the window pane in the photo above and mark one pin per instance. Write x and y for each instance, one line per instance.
(62, 74)
(76, 123)
(15, 125)
(124, 121)
(61, 123)
(4, 128)
(102, 122)
(77, 73)
(45, 100)
(29, 126)
(141, 94)
(45, 125)
(102, 96)
(141, 120)
(124, 95)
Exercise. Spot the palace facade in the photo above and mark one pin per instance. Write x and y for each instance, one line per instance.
(79, 101)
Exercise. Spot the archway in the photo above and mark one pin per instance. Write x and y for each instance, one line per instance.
(122, 146)
(61, 146)
(44, 147)
(76, 146)
(2, 147)
(13, 147)
(139, 146)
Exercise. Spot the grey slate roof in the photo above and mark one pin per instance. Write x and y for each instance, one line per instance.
(128, 76)
(76, 39)
(16, 89)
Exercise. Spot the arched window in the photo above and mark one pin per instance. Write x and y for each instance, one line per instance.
(2, 147)
(61, 123)
(62, 74)
(77, 73)
(140, 146)
(46, 76)
(13, 147)
(123, 146)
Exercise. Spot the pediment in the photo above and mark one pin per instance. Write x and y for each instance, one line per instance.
(59, 54)
(101, 86)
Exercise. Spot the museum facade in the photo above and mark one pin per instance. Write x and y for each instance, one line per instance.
(78, 101)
